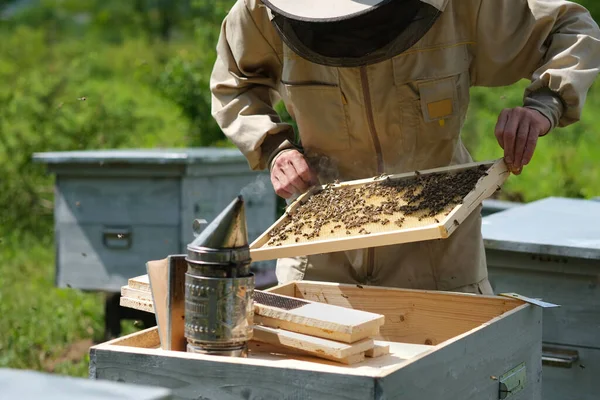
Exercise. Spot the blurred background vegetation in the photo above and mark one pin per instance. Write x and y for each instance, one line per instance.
(99, 74)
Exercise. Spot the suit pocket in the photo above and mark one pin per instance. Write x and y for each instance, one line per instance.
(439, 109)
(433, 87)
(319, 112)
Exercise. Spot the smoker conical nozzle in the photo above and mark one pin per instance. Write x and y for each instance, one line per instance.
(225, 239)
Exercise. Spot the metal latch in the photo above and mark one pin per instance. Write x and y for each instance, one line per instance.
(537, 302)
(513, 381)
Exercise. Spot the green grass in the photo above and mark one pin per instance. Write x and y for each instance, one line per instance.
(43, 327)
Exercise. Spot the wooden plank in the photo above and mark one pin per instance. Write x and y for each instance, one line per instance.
(136, 294)
(407, 351)
(473, 362)
(426, 230)
(146, 339)
(141, 282)
(310, 344)
(318, 319)
(396, 351)
(158, 274)
(412, 316)
(286, 289)
(316, 331)
(167, 285)
(136, 304)
(176, 303)
(379, 349)
(291, 353)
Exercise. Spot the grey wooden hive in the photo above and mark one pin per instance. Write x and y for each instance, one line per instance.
(117, 209)
(550, 249)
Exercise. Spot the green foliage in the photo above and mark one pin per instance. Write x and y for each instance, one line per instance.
(593, 6)
(185, 81)
(73, 102)
(565, 162)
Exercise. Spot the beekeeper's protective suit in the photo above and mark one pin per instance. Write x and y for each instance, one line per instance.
(383, 87)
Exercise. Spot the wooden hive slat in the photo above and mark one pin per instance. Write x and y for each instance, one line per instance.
(311, 344)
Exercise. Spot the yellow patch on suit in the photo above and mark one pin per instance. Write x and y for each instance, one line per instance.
(440, 109)
(438, 99)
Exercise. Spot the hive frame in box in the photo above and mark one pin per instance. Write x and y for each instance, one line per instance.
(472, 342)
(497, 173)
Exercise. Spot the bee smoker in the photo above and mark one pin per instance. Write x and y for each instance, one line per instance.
(219, 286)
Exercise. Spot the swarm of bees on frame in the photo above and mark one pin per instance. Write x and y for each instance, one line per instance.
(347, 208)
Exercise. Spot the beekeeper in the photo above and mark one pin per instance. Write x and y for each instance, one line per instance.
(382, 86)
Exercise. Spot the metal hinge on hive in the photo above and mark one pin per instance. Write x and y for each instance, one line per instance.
(537, 302)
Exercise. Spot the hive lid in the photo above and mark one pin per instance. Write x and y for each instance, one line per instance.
(225, 239)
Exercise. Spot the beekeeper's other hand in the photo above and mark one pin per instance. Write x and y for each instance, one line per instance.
(517, 132)
(291, 174)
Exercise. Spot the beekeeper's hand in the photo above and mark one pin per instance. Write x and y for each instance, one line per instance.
(291, 174)
(517, 131)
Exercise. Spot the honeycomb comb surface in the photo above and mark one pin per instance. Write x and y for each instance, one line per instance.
(376, 207)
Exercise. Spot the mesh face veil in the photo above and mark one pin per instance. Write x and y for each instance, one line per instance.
(372, 36)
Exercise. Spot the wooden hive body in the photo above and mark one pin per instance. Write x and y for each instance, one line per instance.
(442, 346)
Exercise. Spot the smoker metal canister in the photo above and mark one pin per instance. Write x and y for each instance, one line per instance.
(219, 286)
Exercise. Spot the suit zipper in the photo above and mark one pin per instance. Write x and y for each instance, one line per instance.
(371, 121)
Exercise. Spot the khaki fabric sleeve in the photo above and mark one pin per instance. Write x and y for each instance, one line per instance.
(244, 84)
(553, 43)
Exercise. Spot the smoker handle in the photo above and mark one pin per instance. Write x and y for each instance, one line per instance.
(116, 238)
(561, 358)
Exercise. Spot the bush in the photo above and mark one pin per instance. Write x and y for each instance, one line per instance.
(565, 162)
(66, 98)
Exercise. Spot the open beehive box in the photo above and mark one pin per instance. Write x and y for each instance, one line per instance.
(441, 346)
(385, 210)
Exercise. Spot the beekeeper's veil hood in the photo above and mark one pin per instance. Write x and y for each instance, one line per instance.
(350, 33)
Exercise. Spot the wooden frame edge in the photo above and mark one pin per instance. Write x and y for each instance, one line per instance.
(441, 230)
